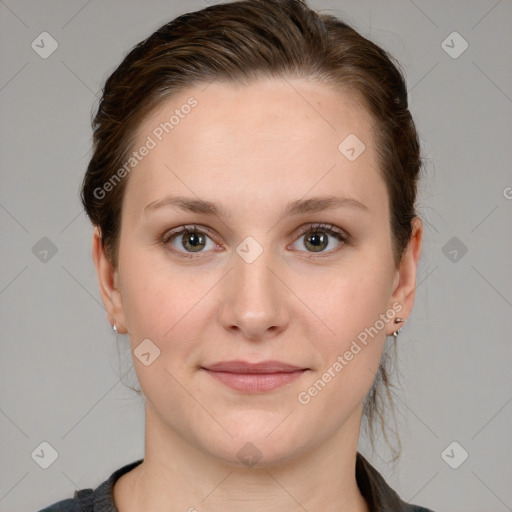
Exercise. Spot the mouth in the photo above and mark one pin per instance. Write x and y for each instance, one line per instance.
(254, 377)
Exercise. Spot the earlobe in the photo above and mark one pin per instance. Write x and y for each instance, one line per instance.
(107, 281)
(404, 285)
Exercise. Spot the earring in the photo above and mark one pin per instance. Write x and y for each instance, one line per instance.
(398, 320)
(114, 328)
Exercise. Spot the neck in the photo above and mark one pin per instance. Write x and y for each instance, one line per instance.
(175, 475)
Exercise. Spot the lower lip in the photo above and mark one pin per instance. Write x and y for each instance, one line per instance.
(255, 382)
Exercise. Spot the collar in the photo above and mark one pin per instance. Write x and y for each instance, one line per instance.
(377, 493)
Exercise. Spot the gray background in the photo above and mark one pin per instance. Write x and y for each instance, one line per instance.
(60, 366)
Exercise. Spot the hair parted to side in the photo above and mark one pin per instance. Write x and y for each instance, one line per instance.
(239, 42)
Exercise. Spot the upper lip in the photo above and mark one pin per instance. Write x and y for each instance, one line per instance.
(246, 367)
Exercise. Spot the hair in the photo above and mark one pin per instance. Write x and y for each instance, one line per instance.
(237, 43)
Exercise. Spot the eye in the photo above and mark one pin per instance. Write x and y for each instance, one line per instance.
(318, 238)
(188, 239)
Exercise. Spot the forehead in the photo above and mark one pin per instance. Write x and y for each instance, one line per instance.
(274, 135)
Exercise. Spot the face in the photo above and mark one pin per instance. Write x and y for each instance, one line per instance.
(287, 259)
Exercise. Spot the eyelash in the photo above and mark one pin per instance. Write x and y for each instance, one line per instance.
(167, 237)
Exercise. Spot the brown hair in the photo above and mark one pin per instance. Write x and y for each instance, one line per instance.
(238, 42)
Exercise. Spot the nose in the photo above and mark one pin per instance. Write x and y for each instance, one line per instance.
(255, 302)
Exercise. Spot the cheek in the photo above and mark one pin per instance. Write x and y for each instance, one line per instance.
(354, 308)
(157, 297)
(349, 358)
(164, 308)
(352, 300)
(168, 306)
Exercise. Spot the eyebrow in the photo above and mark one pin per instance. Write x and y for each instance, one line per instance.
(298, 207)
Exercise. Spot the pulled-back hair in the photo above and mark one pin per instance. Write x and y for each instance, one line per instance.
(239, 42)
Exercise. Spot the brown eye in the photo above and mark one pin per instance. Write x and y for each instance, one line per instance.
(193, 242)
(188, 239)
(318, 238)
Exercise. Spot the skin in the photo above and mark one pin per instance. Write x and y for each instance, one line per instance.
(252, 150)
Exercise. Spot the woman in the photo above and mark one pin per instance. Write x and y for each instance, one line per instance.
(252, 191)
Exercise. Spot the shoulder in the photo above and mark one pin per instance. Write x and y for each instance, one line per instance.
(416, 508)
(81, 502)
(93, 500)
(378, 494)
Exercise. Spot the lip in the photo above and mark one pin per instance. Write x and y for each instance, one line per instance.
(240, 366)
(254, 377)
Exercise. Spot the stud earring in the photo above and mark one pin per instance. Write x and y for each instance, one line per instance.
(114, 328)
(398, 320)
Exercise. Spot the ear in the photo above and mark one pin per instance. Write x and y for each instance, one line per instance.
(108, 283)
(404, 286)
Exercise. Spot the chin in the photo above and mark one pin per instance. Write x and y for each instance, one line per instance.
(259, 444)
(258, 455)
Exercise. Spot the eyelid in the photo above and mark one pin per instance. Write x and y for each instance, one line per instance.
(186, 228)
(170, 234)
(341, 235)
(317, 226)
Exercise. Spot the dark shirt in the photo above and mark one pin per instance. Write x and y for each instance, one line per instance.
(377, 493)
